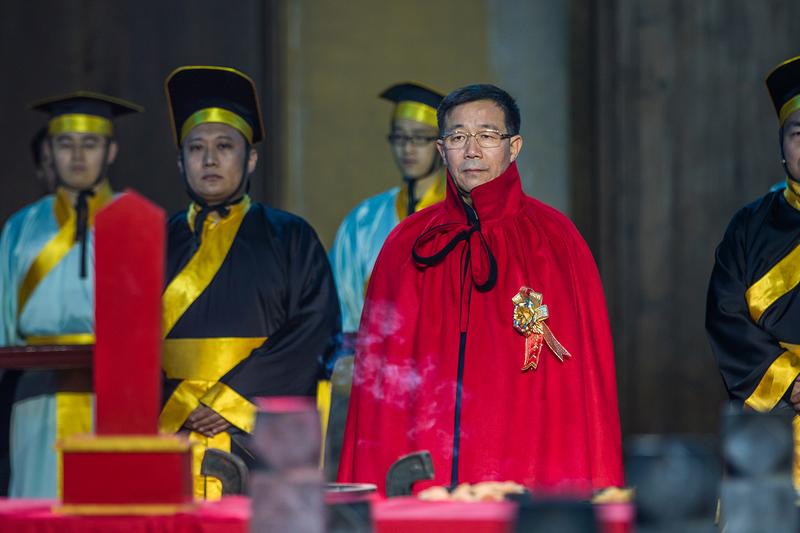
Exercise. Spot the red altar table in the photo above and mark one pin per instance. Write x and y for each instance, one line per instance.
(50, 357)
(37, 516)
(231, 515)
(99, 473)
(408, 514)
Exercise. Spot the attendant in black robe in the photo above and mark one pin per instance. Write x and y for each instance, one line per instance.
(250, 305)
(753, 313)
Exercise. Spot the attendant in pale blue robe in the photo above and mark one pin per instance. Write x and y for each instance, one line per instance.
(412, 136)
(45, 179)
(47, 283)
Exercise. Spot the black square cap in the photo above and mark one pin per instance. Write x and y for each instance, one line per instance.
(413, 101)
(84, 112)
(203, 94)
(783, 84)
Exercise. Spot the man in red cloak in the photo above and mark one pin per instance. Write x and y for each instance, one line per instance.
(484, 337)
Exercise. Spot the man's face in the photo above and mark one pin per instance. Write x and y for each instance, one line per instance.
(214, 158)
(414, 147)
(79, 157)
(791, 144)
(472, 164)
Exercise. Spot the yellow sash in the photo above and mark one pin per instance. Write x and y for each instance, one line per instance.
(792, 193)
(189, 284)
(201, 362)
(779, 280)
(433, 195)
(61, 243)
(778, 378)
(73, 409)
(206, 359)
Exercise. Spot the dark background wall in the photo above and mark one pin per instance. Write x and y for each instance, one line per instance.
(670, 130)
(126, 49)
(673, 131)
(341, 55)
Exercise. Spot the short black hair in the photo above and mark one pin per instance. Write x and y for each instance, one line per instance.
(36, 145)
(481, 91)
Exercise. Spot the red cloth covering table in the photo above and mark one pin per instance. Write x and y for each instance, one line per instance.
(37, 516)
(231, 515)
(410, 515)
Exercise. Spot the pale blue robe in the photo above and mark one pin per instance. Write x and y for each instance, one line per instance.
(61, 304)
(355, 249)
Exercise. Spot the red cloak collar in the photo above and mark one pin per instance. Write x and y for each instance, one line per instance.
(494, 200)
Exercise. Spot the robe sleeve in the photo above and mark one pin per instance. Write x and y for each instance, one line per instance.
(168, 386)
(8, 289)
(291, 360)
(745, 352)
(348, 273)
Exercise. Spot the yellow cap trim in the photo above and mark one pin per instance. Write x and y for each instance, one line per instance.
(416, 111)
(209, 67)
(217, 115)
(781, 65)
(788, 108)
(80, 123)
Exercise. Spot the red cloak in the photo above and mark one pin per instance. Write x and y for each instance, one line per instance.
(438, 361)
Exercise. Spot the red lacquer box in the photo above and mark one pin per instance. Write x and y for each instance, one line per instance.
(126, 474)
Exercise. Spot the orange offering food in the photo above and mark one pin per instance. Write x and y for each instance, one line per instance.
(485, 491)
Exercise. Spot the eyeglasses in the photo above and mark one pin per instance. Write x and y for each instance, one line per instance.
(485, 139)
(399, 139)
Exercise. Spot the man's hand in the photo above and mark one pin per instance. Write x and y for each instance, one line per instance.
(206, 421)
(794, 397)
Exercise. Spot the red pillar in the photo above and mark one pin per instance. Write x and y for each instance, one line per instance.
(129, 278)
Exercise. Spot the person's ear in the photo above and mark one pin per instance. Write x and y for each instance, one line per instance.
(113, 148)
(442, 151)
(252, 160)
(515, 145)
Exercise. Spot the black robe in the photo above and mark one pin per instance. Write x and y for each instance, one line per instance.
(753, 307)
(275, 282)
